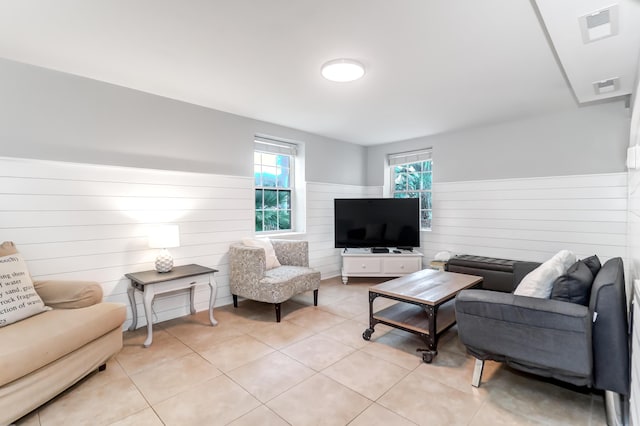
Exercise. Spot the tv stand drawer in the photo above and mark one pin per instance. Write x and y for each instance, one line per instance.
(362, 265)
(402, 265)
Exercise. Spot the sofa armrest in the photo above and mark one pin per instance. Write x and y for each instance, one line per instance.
(529, 331)
(69, 294)
(292, 252)
(610, 328)
(247, 266)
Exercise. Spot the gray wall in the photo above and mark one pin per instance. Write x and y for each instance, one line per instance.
(45, 114)
(585, 140)
(50, 115)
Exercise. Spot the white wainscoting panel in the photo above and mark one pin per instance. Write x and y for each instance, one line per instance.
(323, 255)
(89, 222)
(633, 243)
(633, 219)
(530, 219)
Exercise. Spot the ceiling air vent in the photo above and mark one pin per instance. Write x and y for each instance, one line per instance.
(606, 86)
(600, 24)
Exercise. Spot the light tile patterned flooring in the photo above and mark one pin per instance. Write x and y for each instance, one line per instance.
(313, 368)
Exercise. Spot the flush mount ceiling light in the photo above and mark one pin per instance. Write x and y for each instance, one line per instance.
(342, 70)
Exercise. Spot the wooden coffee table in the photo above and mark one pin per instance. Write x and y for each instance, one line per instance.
(426, 305)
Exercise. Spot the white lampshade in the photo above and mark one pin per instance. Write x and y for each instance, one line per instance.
(342, 70)
(164, 236)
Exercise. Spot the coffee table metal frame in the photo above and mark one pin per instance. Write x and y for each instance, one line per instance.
(419, 316)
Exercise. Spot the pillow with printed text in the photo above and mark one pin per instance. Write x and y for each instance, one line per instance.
(18, 297)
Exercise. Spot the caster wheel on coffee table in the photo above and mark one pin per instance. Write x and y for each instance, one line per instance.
(367, 334)
(427, 355)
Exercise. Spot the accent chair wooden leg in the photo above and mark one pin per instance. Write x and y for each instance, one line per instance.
(235, 300)
(477, 373)
(277, 312)
(315, 297)
(102, 367)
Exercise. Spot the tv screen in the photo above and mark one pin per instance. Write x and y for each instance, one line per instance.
(377, 222)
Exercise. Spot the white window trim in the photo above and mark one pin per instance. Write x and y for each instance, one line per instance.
(279, 147)
(410, 157)
(274, 146)
(407, 158)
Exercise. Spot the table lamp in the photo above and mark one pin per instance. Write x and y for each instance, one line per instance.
(164, 237)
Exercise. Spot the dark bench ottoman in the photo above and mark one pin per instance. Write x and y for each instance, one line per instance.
(498, 274)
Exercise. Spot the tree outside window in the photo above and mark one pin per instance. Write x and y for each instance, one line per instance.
(414, 180)
(273, 189)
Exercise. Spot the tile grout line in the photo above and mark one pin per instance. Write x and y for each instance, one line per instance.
(149, 405)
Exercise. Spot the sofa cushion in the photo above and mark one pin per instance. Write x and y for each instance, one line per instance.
(69, 294)
(539, 282)
(575, 285)
(18, 297)
(7, 248)
(280, 284)
(593, 263)
(270, 253)
(37, 341)
(306, 277)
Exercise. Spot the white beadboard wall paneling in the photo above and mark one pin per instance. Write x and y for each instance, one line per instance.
(323, 255)
(89, 222)
(633, 247)
(532, 218)
(633, 250)
(633, 225)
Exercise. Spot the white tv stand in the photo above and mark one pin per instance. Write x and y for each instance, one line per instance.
(361, 262)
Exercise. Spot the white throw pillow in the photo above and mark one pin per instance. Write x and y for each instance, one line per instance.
(270, 253)
(18, 298)
(539, 282)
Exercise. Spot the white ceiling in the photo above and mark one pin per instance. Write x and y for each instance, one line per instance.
(606, 58)
(432, 66)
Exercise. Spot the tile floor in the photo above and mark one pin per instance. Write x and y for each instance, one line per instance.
(313, 368)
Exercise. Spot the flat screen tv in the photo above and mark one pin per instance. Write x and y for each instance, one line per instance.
(377, 222)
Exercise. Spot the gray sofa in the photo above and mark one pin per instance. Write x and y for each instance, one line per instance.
(582, 345)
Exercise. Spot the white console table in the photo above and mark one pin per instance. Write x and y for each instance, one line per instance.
(361, 262)
(152, 283)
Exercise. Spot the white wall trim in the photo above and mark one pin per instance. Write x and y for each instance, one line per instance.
(621, 175)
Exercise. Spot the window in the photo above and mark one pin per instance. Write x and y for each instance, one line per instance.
(411, 177)
(274, 183)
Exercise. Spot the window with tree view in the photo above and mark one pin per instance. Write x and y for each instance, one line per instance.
(273, 175)
(413, 180)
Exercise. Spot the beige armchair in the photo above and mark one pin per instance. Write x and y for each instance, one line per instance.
(250, 279)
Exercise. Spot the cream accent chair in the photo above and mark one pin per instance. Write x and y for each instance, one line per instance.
(43, 355)
(249, 277)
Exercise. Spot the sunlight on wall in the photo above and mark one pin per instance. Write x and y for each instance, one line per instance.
(155, 210)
